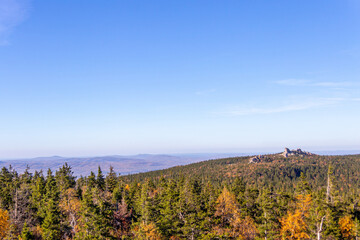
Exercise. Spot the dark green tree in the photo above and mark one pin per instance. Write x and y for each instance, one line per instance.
(111, 180)
(100, 181)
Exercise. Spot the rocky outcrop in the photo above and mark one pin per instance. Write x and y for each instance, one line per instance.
(259, 158)
(298, 152)
(272, 157)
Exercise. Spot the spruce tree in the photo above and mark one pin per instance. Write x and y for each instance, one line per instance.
(51, 224)
(26, 233)
(64, 179)
(111, 180)
(100, 181)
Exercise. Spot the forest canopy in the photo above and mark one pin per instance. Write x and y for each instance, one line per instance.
(314, 197)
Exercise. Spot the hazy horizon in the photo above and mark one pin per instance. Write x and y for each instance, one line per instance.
(241, 153)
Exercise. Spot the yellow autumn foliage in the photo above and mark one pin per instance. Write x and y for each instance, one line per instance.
(233, 225)
(347, 227)
(293, 226)
(147, 232)
(70, 205)
(244, 228)
(4, 222)
(226, 207)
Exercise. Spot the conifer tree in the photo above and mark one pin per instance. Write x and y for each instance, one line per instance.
(170, 218)
(26, 233)
(271, 213)
(37, 195)
(64, 179)
(100, 181)
(294, 225)
(4, 222)
(334, 208)
(91, 180)
(51, 224)
(192, 209)
(143, 204)
(7, 187)
(226, 209)
(111, 180)
(94, 222)
(347, 227)
(147, 231)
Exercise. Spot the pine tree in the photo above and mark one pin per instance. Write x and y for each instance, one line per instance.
(64, 179)
(51, 224)
(143, 204)
(91, 180)
(333, 207)
(37, 195)
(26, 234)
(238, 187)
(111, 180)
(100, 181)
(191, 209)
(170, 216)
(7, 180)
(271, 213)
(94, 222)
(302, 187)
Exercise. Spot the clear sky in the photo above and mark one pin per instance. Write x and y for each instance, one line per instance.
(80, 78)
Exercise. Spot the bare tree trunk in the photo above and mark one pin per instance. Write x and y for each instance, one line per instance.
(328, 190)
(192, 234)
(266, 227)
(320, 228)
(329, 185)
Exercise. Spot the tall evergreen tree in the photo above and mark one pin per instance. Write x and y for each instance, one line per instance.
(111, 180)
(100, 181)
(51, 224)
(65, 179)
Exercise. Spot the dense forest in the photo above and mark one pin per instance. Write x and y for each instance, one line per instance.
(314, 197)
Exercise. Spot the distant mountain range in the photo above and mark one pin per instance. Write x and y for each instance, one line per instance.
(121, 164)
(126, 164)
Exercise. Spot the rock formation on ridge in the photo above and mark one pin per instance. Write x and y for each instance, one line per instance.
(298, 152)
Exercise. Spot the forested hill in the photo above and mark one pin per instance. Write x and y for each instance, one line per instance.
(265, 197)
(275, 170)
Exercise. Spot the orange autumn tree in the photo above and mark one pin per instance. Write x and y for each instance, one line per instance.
(293, 226)
(4, 223)
(347, 227)
(70, 205)
(147, 232)
(232, 224)
(226, 207)
(244, 228)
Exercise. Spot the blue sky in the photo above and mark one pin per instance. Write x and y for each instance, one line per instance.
(80, 78)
